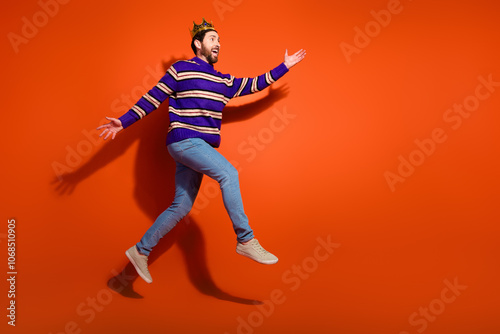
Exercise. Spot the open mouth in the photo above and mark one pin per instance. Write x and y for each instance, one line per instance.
(215, 52)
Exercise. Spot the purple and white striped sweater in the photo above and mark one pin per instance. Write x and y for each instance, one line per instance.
(197, 94)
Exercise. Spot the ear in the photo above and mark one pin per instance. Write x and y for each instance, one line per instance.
(197, 44)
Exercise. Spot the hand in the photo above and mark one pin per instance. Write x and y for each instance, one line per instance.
(294, 59)
(111, 128)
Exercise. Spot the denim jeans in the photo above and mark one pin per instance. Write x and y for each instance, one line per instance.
(194, 157)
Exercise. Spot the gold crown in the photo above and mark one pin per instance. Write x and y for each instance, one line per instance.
(200, 27)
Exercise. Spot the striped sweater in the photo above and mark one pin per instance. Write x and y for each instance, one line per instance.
(197, 94)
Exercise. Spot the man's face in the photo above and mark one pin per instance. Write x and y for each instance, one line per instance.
(210, 47)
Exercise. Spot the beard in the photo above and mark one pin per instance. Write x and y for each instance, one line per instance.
(212, 59)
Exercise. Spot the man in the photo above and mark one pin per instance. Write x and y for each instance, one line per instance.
(197, 94)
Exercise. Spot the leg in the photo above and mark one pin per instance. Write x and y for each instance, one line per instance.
(203, 158)
(187, 184)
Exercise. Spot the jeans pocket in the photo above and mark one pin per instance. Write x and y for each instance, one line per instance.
(179, 149)
(175, 151)
(191, 143)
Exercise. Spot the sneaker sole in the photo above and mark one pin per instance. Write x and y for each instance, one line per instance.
(251, 258)
(139, 272)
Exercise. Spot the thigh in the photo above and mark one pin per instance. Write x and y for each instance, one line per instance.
(196, 154)
(187, 181)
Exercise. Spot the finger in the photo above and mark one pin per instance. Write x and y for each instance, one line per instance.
(301, 56)
(107, 135)
(114, 135)
(102, 133)
(286, 52)
(111, 119)
(298, 52)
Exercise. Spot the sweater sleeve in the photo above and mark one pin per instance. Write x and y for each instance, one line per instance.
(152, 99)
(245, 86)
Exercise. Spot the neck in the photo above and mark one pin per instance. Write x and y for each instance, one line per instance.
(202, 57)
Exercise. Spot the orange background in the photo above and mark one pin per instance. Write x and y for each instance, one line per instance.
(321, 174)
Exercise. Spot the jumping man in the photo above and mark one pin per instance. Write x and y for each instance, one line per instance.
(197, 94)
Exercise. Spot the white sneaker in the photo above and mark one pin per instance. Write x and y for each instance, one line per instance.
(140, 263)
(253, 250)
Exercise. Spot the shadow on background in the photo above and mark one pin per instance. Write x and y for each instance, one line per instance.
(155, 188)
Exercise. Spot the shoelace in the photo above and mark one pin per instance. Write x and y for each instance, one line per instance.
(147, 259)
(256, 246)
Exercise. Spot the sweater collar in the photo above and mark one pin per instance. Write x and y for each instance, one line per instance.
(202, 62)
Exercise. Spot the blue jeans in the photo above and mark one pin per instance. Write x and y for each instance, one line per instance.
(194, 157)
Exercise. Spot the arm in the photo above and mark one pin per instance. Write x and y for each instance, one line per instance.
(245, 86)
(148, 103)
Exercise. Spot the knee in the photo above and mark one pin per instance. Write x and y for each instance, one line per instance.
(231, 174)
(182, 207)
(186, 207)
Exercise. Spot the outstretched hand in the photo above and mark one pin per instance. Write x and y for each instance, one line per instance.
(111, 128)
(294, 59)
